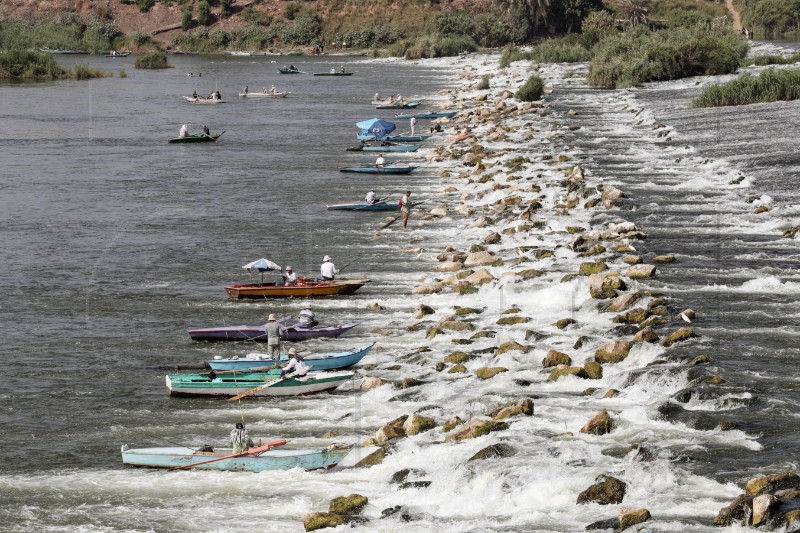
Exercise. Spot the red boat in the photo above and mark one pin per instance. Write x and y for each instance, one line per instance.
(301, 288)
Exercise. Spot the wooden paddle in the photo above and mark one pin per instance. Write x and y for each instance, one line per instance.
(251, 451)
(256, 389)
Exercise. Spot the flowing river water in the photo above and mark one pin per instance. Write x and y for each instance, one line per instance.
(115, 242)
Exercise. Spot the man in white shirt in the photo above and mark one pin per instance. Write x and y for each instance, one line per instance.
(371, 197)
(184, 132)
(289, 275)
(413, 122)
(380, 161)
(296, 367)
(328, 270)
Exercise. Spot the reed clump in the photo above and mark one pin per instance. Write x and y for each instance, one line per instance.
(771, 59)
(153, 60)
(532, 90)
(771, 86)
(484, 83)
(28, 65)
(512, 54)
(82, 71)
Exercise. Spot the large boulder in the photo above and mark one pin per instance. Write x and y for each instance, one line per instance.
(451, 424)
(348, 506)
(476, 427)
(480, 277)
(493, 451)
(556, 358)
(737, 511)
(646, 334)
(600, 424)
(512, 346)
(315, 521)
(680, 335)
(482, 259)
(762, 507)
(392, 430)
(371, 382)
(373, 458)
(417, 424)
(563, 370)
(604, 285)
(593, 370)
(428, 288)
(457, 358)
(595, 267)
(523, 406)
(606, 490)
(631, 517)
(641, 271)
(449, 266)
(771, 483)
(612, 352)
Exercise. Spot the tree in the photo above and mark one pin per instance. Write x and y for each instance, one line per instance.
(204, 15)
(633, 11)
(225, 8)
(533, 10)
(186, 17)
(568, 15)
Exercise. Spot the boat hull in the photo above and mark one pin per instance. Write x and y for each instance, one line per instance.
(298, 290)
(289, 71)
(263, 95)
(195, 139)
(364, 206)
(233, 384)
(203, 101)
(258, 333)
(391, 148)
(432, 114)
(405, 105)
(333, 73)
(321, 361)
(177, 457)
(379, 170)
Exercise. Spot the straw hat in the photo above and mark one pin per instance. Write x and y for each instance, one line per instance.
(308, 306)
(292, 351)
(271, 318)
(288, 268)
(327, 258)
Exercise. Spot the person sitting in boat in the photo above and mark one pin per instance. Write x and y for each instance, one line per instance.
(240, 439)
(289, 276)
(391, 100)
(296, 367)
(292, 67)
(371, 197)
(333, 70)
(341, 69)
(307, 318)
(377, 97)
(245, 89)
(272, 89)
(184, 131)
(217, 95)
(327, 271)
(194, 95)
(206, 131)
(380, 161)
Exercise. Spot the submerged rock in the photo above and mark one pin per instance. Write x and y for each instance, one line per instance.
(495, 450)
(477, 428)
(612, 352)
(680, 335)
(563, 370)
(564, 322)
(452, 423)
(600, 424)
(374, 458)
(511, 320)
(605, 491)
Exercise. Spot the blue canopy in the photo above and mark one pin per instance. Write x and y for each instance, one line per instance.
(262, 265)
(375, 127)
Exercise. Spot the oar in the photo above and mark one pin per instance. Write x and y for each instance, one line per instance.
(252, 451)
(256, 389)
(220, 135)
(376, 203)
(395, 219)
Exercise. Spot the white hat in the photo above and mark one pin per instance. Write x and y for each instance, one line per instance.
(292, 351)
(288, 267)
(308, 306)
(327, 258)
(271, 318)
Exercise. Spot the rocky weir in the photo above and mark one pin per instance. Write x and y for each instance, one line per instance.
(540, 354)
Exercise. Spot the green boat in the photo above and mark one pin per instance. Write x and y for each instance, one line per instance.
(196, 138)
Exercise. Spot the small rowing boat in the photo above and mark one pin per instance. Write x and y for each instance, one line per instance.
(317, 361)
(388, 147)
(364, 206)
(114, 53)
(334, 73)
(258, 333)
(289, 71)
(196, 138)
(301, 288)
(375, 169)
(275, 94)
(60, 51)
(203, 101)
(429, 114)
(267, 383)
(396, 105)
(259, 459)
(402, 138)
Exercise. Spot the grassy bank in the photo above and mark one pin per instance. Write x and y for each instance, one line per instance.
(27, 65)
(770, 59)
(770, 18)
(70, 32)
(770, 86)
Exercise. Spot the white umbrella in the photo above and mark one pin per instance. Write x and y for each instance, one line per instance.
(262, 265)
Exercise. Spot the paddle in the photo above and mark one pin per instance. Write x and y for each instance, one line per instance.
(220, 135)
(252, 451)
(256, 389)
(395, 219)
(385, 200)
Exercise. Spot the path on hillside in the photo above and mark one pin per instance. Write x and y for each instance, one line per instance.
(737, 19)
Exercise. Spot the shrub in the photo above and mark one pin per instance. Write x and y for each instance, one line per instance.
(82, 71)
(122, 73)
(255, 17)
(291, 10)
(145, 5)
(225, 8)
(23, 64)
(765, 60)
(564, 50)
(429, 46)
(532, 90)
(484, 83)
(601, 21)
(186, 18)
(305, 30)
(204, 16)
(511, 54)
(153, 60)
(770, 86)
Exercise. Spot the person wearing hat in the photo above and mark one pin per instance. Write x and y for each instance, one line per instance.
(184, 131)
(296, 367)
(371, 197)
(307, 318)
(327, 271)
(274, 331)
(289, 276)
(240, 439)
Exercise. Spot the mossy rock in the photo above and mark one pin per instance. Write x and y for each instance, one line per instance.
(348, 505)
(572, 230)
(521, 407)
(543, 254)
(494, 451)
(511, 311)
(564, 322)
(465, 288)
(612, 352)
(587, 269)
(315, 521)
(417, 424)
(633, 316)
(660, 310)
(481, 429)
(738, 510)
(556, 358)
(439, 366)
(611, 393)
(593, 370)
(680, 335)
(664, 258)
(511, 346)
(561, 371)
(632, 517)
(462, 341)
(606, 490)
(484, 334)
(566, 278)
(597, 249)
(452, 423)
(457, 369)
(600, 424)
(765, 484)
(489, 372)
(407, 383)
(511, 320)
(461, 311)
(699, 360)
(457, 325)
(456, 358)
(530, 273)
(374, 458)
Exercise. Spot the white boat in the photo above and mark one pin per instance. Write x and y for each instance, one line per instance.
(203, 100)
(275, 94)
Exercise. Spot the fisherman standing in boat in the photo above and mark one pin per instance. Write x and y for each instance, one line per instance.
(327, 270)
(240, 439)
(296, 367)
(380, 161)
(307, 318)
(206, 131)
(274, 330)
(413, 123)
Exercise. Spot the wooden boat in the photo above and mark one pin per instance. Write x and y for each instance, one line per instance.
(253, 460)
(203, 101)
(334, 73)
(301, 288)
(317, 361)
(114, 53)
(401, 105)
(289, 71)
(374, 169)
(235, 383)
(239, 53)
(385, 148)
(407, 138)
(196, 138)
(429, 114)
(60, 51)
(364, 206)
(258, 333)
(276, 94)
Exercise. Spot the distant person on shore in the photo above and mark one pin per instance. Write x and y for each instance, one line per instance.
(327, 271)
(405, 207)
(184, 131)
(437, 128)
(274, 330)
(307, 318)
(240, 439)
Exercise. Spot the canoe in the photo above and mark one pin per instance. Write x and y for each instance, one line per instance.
(238, 53)
(59, 51)
(289, 71)
(196, 138)
(202, 100)
(387, 148)
(402, 138)
(373, 169)
(402, 105)
(273, 459)
(235, 383)
(301, 288)
(258, 333)
(429, 114)
(117, 54)
(334, 73)
(364, 206)
(264, 95)
(317, 361)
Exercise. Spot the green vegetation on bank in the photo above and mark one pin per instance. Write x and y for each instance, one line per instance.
(153, 60)
(770, 59)
(68, 32)
(771, 18)
(40, 66)
(771, 86)
(532, 90)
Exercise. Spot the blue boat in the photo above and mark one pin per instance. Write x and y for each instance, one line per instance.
(401, 105)
(374, 169)
(319, 361)
(364, 206)
(259, 459)
(385, 148)
(402, 138)
(429, 114)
